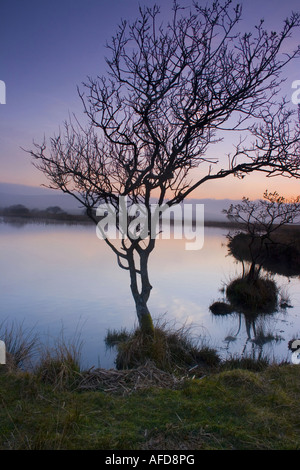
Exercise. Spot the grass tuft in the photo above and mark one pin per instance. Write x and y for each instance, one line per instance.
(245, 363)
(60, 365)
(258, 296)
(169, 349)
(114, 337)
(21, 345)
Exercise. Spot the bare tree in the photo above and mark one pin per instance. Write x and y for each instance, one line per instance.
(260, 219)
(169, 90)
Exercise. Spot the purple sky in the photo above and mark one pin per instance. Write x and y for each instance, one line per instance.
(50, 47)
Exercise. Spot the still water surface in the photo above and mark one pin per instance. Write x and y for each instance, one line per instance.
(58, 278)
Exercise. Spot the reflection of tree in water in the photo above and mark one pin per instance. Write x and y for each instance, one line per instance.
(17, 223)
(243, 306)
(258, 335)
(257, 332)
(282, 256)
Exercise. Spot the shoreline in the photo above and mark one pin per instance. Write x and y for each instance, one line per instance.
(73, 219)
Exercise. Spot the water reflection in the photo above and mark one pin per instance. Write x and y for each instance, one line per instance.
(258, 336)
(255, 296)
(279, 256)
(60, 276)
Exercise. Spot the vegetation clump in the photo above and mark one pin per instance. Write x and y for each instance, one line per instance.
(53, 214)
(245, 363)
(21, 345)
(16, 210)
(221, 308)
(168, 349)
(282, 256)
(257, 296)
(59, 368)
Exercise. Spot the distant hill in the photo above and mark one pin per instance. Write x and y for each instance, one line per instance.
(36, 197)
(41, 198)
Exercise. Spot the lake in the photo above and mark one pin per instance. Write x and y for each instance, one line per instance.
(58, 277)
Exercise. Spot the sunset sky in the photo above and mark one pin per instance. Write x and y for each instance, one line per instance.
(48, 48)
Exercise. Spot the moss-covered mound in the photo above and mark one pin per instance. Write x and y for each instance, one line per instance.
(253, 297)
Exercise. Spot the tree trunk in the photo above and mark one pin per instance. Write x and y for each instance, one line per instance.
(256, 254)
(144, 316)
(141, 295)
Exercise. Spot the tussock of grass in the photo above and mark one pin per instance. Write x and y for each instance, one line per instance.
(114, 337)
(168, 349)
(258, 296)
(246, 362)
(61, 371)
(60, 365)
(21, 344)
(242, 378)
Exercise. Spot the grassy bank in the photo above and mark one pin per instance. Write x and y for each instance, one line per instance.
(229, 409)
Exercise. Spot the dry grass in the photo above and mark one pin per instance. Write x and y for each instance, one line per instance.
(21, 344)
(128, 381)
(59, 365)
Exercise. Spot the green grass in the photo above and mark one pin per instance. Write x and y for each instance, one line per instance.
(240, 403)
(232, 409)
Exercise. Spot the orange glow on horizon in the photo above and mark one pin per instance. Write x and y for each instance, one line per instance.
(252, 186)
